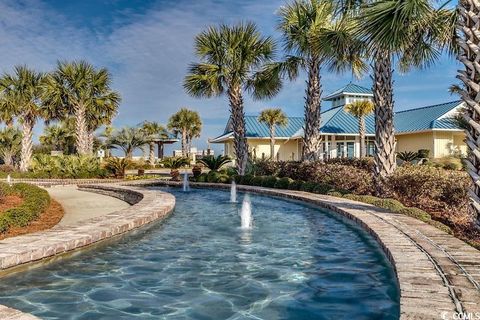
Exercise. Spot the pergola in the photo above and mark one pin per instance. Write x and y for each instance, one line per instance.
(161, 141)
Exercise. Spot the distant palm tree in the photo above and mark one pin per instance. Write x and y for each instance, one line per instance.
(128, 139)
(77, 88)
(188, 124)
(360, 109)
(21, 90)
(315, 37)
(154, 131)
(414, 32)
(231, 58)
(57, 137)
(10, 142)
(272, 118)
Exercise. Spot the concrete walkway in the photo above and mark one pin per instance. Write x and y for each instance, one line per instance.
(81, 205)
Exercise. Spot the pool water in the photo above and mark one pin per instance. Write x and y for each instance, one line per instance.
(298, 262)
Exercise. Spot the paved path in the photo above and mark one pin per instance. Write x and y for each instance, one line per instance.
(82, 205)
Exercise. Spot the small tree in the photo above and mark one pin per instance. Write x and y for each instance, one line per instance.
(153, 130)
(10, 141)
(272, 118)
(128, 139)
(188, 124)
(360, 109)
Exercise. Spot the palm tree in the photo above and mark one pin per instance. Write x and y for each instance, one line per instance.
(315, 37)
(7, 112)
(128, 139)
(231, 58)
(215, 163)
(469, 44)
(77, 88)
(188, 124)
(360, 109)
(415, 33)
(154, 131)
(10, 141)
(21, 90)
(272, 118)
(56, 137)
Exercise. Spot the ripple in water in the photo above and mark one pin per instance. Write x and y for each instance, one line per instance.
(297, 262)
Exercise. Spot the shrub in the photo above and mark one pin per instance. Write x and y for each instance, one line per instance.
(416, 213)
(269, 181)
(212, 176)
(246, 179)
(283, 183)
(296, 185)
(223, 178)
(323, 188)
(196, 171)
(117, 166)
(423, 153)
(359, 163)
(69, 166)
(215, 163)
(308, 186)
(257, 181)
(202, 177)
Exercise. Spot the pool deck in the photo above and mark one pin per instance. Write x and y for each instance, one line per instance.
(438, 274)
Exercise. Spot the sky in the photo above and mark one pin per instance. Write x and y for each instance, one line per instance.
(147, 45)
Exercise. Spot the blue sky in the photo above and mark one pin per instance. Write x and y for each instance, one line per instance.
(148, 44)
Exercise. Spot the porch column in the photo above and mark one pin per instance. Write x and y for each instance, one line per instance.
(357, 147)
(160, 150)
(321, 152)
(326, 152)
(333, 151)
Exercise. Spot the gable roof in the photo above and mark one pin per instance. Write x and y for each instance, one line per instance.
(350, 88)
(338, 121)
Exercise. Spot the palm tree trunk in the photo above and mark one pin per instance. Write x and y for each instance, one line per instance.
(312, 137)
(91, 139)
(469, 44)
(81, 132)
(8, 158)
(238, 122)
(151, 157)
(26, 152)
(184, 143)
(385, 163)
(272, 142)
(362, 129)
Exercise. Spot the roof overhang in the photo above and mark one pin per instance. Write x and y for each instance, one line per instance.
(335, 95)
(428, 130)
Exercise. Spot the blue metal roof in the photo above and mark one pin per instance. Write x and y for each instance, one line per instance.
(349, 88)
(339, 121)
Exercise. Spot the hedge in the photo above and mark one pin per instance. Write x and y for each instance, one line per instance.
(35, 201)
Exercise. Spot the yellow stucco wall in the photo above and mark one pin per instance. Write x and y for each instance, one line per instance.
(415, 142)
(440, 143)
(449, 143)
(287, 149)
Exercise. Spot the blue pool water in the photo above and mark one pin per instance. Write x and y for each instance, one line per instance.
(298, 262)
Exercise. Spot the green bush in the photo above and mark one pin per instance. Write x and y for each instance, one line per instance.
(257, 181)
(246, 179)
(202, 177)
(283, 183)
(389, 204)
(296, 185)
(212, 176)
(416, 213)
(35, 201)
(223, 178)
(269, 181)
(66, 167)
(117, 166)
(308, 186)
(322, 188)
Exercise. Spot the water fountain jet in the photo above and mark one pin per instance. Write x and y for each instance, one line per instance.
(185, 182)
(233, 192)
(246, 213)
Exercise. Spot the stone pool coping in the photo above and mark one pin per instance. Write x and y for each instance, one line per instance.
(21, 252)
(438, 274)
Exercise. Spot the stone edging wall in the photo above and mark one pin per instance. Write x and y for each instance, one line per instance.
(438, 274)
(20, 252)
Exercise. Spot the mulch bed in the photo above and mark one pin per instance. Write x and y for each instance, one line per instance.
(47, 220)
(9, 201)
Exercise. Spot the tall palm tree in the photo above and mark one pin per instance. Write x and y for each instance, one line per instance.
(10, 142)
(154, 131)
(469, 44)
(273, 118)
(360, 109)
(188, 124)
(77, 88)
(231, 58)
(22, 90)
(128, 139)
(315, 37)
(412, 31)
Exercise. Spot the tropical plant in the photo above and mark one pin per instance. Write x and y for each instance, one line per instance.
(231, 61)
(21, 90)
(57, 137)
(272, 118)
(360, 109)
(215, 163)
(117, 166)
(188, 124)
(407, 156)
(412, 31)
(77, 88)
(175, 163)
(315, 37)
(153, 131)
(128, 139)
(66, 166)
(469, 43)
(10, 142)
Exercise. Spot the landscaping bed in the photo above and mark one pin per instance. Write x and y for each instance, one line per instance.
(26, 208)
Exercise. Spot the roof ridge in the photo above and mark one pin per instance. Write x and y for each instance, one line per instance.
(430, 106)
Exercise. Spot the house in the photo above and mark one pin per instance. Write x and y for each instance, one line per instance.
(433, 128)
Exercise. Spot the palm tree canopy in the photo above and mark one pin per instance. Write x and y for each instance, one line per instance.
(215, 163)
(360, 108)
(187, 120)
(175, 162)
(79, 83)
(128, 139)
(273, 117)
(20, 93)
(413, 30)
(312, 28)
(10, 140)
(55, 136)
(231, 57)
(154, 129)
